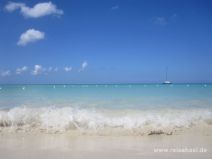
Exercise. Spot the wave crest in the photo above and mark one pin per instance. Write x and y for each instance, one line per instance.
(53, 119)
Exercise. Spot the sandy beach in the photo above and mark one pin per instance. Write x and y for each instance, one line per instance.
(187, 144)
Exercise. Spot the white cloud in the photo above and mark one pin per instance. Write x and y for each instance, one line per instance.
(83, 66)
(38, 10)
(21, 70)
(160, 20)
(5, 73)
(11, 6)
(37, 70)
(67, 69)
(31, 35)
(50, 69)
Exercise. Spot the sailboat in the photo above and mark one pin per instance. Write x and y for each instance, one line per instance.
(167, 81)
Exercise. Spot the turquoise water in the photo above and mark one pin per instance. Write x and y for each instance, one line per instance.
(107, 96)
(137, 108)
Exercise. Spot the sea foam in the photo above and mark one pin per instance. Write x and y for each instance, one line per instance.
(54, 119)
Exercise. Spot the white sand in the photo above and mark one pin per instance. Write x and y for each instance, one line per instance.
(66, 146)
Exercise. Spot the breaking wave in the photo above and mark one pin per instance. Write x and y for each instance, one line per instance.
(54, 119)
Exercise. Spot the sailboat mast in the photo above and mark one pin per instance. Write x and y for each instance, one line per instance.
(167, 81)
(166, 73)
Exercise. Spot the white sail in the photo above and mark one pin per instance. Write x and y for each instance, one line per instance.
(167, 81)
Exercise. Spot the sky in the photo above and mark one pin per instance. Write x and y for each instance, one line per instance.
(105, 41)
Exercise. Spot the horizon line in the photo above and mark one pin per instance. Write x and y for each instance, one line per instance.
(113, 83)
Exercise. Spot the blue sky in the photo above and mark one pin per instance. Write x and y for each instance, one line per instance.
(105, 41)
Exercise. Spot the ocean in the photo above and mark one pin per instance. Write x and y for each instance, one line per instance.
(105, 108)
